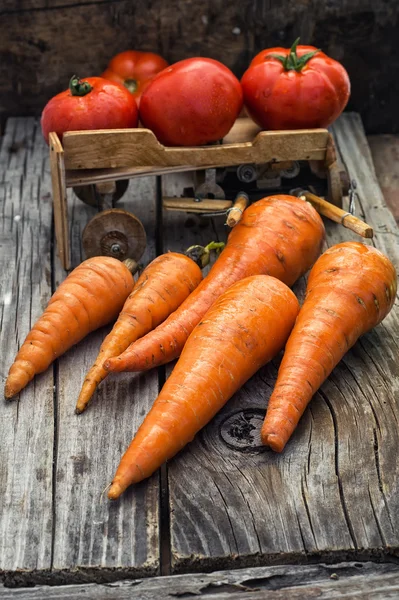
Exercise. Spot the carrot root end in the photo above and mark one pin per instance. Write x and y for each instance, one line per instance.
(273, 440)
(115, 491)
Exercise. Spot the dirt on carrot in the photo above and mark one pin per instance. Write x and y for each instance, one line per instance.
(245, 328)
(351, 289)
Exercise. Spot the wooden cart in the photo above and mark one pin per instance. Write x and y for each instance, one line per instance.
(101, 158)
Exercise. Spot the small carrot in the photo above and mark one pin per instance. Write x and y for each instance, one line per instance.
(91, 296)
(351, 289)
(245, 328)
(279, 236)
(161, 288)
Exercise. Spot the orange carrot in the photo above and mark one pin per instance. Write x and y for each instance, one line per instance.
(91, 296)
(279, 236)
(245, 328)
(351, 289)
(161, 288)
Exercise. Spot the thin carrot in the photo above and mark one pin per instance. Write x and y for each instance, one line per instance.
(351, 289)
(279, 236)
(91, 296)
(161, 288)
(245, 328)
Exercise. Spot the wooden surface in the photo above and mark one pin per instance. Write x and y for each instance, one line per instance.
(360, 581)
(334, 487)
(54, 465)
(117, 148)
(223, 502)
(44, 42)
(385, 153)
(60, 203)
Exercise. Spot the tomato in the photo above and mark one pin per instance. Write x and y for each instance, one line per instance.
(93, 103)
(134, 70)
(296, 88)
(193, 102)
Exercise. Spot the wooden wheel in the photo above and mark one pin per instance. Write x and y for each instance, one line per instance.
(116, 233)
(102, 194)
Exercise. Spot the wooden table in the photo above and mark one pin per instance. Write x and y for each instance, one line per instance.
(223, 503)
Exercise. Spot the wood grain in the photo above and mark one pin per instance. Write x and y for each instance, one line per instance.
(385, 153)
(54, 524)
(90, 532)
(116, 148)
(27, 422)
(43, 43)
(323, 581)
(60, 210)
(333, 490)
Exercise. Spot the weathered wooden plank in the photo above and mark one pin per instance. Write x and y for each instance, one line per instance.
(27, 422)
(43, 43)
(349, 580)
(90, 532)
(333, 488)
(385, 153)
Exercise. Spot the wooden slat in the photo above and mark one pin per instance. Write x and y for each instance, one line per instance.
(90, 531)
(333, 489)
(79, 177)
(191, 205)
(343, 580)
(139, 148)
(27, 421)
(385, 153)
(60, 209)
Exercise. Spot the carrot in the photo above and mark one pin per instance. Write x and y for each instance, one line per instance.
(245, 328)
(91, 296)
(161, 288)
(351, 289)
(279, 236)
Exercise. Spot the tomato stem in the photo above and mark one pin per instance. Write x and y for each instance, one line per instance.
(78, 87)
(131, 85)
(292, 62)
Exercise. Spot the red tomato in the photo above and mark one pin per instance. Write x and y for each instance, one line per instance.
(92, 103)
(134, 70)
(296, 88)
(193, 102)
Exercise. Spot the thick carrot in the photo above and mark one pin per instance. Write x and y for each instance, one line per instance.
(245, 328)
(161, 288)
(279, 236)
(351, 288)
(91, 296)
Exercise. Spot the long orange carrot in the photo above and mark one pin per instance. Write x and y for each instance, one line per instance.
(245, 328)
(351, 288)
(91, 296)
(279, 236)
(161, 288)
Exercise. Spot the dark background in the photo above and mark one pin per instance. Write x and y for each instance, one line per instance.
(44, 42)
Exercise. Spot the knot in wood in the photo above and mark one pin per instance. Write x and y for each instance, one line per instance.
(241, 430)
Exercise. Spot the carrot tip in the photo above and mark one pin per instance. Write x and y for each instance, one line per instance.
(274, 441)
(79, 409)
(115, 491)
(9, 392)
